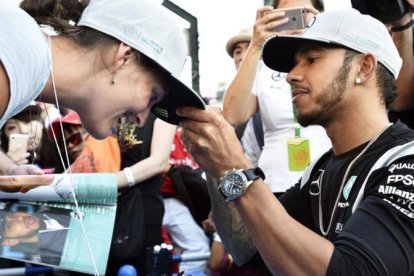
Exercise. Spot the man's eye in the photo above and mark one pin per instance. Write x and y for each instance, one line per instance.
(312, 60)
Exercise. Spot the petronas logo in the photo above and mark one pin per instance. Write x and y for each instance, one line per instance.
(161, 112)
(348, 186)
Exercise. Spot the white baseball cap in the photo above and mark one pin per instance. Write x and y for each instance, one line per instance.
(348, 28)
(148, 28)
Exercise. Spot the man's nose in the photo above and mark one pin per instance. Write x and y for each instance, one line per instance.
(295, 75)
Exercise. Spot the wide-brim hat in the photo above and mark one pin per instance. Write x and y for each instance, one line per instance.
(245, 35)
(345, 28)
(151, 30)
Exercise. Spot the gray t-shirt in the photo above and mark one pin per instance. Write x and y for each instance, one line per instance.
(24, 52)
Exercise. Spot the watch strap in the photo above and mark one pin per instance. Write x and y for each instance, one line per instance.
(254, 174)
(403, 27)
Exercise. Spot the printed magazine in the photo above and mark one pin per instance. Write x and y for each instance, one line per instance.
(40, 223)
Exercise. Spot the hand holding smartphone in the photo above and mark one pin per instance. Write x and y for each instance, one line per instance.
(18, 148)
(296, 19)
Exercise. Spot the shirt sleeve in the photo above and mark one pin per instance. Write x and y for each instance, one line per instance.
(290, 199)
(378, 239)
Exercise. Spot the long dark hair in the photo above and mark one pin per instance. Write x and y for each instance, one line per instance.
(46, 154)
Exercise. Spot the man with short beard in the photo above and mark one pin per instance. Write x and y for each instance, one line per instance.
(352, 212)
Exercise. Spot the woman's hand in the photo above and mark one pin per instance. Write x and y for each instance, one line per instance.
(18, 156)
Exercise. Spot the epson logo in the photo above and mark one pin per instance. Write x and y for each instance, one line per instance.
(407, 179)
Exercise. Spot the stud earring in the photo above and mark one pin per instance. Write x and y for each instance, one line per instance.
(113, 81)
(358, 81)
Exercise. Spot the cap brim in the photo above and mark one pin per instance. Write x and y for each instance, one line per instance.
(179, 95)
(279, 51)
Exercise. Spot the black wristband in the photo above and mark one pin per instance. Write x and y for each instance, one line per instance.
(403, 27)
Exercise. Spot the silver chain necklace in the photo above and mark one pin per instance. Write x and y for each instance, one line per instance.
(326, 232)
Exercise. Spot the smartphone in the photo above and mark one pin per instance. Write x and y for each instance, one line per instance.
(18, 144)
(297, 19)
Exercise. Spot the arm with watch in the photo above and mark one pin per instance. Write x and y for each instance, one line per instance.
(233, 233)
(285, 245)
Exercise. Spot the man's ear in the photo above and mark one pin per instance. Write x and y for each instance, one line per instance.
(123, 54)
(10, 242)
(368, 65)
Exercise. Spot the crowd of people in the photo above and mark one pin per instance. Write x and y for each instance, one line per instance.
(308, 163)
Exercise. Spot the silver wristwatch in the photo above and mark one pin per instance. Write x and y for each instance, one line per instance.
(234, 183)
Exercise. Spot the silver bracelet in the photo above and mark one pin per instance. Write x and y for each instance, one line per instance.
(129, 176)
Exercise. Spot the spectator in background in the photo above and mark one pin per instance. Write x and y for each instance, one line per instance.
(144, 156)
(86, 154)
(49, 113)
(40, 149)
(178, 221)
(402, 35)
(249, 133)
(256, 88)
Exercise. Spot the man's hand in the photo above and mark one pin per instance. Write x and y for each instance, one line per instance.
(212, 140)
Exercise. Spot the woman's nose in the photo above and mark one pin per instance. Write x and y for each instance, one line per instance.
(142, 117)
(24, 128)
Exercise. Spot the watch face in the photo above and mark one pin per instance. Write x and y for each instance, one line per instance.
(234, 184)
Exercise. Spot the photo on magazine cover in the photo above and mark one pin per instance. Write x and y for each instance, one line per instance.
(33, 232)
(40, 222)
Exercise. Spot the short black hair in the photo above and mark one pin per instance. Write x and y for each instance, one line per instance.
(386, 82)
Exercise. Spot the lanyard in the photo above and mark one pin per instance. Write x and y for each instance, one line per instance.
(295, 119)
